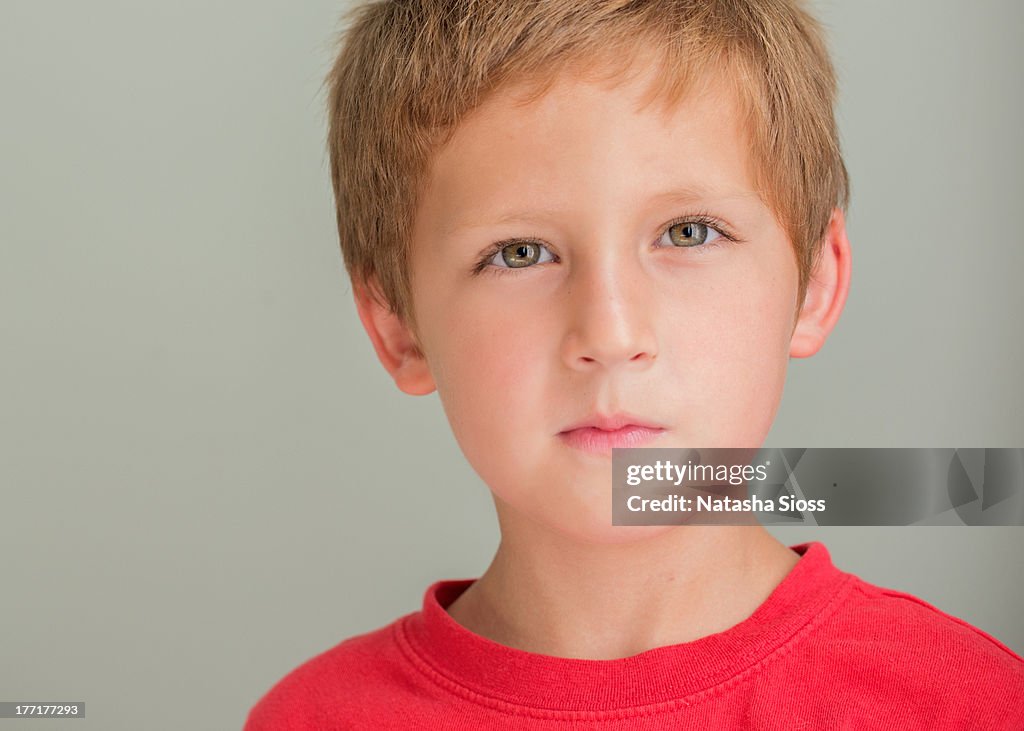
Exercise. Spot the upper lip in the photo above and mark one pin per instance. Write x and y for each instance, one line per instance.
(611, 422)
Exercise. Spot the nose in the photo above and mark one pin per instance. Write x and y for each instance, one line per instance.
(610, 318)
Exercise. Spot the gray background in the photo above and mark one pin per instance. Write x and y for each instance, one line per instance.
(198, 448)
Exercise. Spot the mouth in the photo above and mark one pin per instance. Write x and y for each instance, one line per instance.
(601, 434)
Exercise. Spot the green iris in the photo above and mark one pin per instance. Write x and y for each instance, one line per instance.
(688, 233)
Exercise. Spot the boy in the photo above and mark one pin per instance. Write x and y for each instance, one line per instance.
(601, 224)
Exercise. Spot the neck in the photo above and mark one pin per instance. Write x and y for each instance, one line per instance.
(547, 593)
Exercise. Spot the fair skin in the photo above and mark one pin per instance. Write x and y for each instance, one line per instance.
(609, 314)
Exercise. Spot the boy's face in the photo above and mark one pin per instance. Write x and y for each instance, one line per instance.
(621, 312)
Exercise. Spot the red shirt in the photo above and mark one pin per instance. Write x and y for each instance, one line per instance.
(826, 650)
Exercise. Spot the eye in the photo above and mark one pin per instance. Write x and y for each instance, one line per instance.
(520, 254)
(690, 234)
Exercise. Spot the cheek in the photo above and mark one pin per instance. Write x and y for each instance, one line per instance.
(491, 381)
(732, 354)
(498, 404)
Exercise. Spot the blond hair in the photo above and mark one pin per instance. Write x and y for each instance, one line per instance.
(409, 70)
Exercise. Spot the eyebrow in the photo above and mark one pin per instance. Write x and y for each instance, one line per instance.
(685, 195)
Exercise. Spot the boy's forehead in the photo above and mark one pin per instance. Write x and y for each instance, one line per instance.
(518, 144)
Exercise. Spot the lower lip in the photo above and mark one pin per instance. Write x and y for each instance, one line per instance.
(598, 441)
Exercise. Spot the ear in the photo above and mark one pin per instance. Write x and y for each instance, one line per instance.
(397, 347)
(827, 289)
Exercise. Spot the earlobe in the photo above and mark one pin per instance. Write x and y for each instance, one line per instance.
(827, 290)
(395, 344)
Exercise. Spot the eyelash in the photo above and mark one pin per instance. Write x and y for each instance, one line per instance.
(484, 263)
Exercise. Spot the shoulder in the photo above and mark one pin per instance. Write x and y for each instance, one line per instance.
(883, 644)
(904, 622)
(338, 682)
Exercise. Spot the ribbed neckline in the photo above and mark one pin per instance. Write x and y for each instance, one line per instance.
(659, 675)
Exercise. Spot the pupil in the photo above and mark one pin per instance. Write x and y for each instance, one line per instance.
(688, 231)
